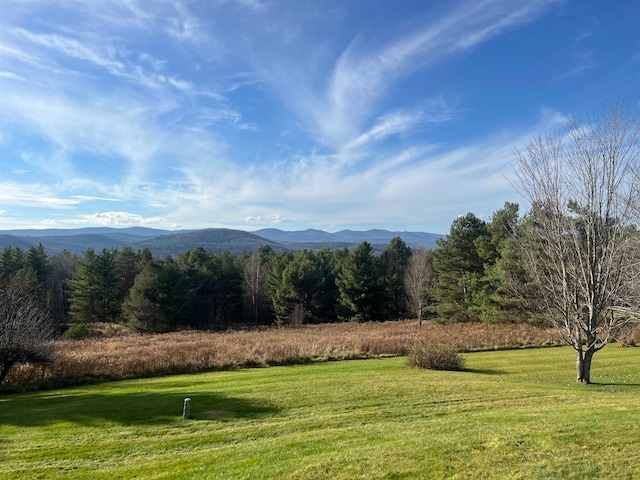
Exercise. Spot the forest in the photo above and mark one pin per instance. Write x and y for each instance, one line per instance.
(468, 277)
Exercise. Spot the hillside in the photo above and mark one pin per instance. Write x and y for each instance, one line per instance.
(214, 239)
(350, 237)
(165, 242)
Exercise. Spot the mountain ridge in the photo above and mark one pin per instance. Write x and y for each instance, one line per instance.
(169, 242)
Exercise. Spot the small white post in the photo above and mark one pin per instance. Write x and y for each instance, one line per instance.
(186, 409)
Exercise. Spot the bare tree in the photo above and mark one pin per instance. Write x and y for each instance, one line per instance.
(418, 282)
(24, 330)
(255, 275)
(580, 243)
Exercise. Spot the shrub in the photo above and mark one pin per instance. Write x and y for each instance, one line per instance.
(77, 331)
(25, 330)
(435, 357)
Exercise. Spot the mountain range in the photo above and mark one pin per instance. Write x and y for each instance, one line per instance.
(167, 242)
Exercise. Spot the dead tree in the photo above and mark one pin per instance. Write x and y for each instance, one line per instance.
(580, 242)
(25, 330)
(418, 282)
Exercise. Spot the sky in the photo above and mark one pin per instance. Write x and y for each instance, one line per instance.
(291, 114)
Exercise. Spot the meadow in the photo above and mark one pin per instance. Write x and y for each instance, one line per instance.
(118, 354)
(510, 414)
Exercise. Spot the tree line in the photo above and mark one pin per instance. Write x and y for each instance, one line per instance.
(464, 279)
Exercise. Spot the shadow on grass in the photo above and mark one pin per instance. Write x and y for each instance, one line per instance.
(484, 371)
(613, 384)
(128, 409)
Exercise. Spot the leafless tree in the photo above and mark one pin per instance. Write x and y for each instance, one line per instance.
(418, 282)
(25, 330)
(580, 241)
(255, 275)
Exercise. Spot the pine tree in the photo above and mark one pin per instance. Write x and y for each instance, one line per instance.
(394, 261)
(360, 285)
(127, 268)
(93, 288)
(141, 308)
(459, 268)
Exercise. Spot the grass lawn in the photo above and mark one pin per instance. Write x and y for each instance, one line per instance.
(510, 414)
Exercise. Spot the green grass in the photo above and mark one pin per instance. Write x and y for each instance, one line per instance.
(509, 414)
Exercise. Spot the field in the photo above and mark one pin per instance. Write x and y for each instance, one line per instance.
(127, 355)
(509, 414)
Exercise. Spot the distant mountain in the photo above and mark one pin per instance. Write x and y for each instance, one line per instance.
(214, 239)
(166, 242)
(309, 235)
(350, 237)
(7, 240)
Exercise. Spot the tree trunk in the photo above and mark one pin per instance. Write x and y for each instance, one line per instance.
(254, 301)
(583, 365)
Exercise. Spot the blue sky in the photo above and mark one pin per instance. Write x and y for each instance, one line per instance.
(293, 114)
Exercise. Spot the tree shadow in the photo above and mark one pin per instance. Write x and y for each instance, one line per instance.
(148, 408)
(614, 384)
(484, 371)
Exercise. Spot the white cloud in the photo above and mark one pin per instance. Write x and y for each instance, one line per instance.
(271, 218)
(118, 219)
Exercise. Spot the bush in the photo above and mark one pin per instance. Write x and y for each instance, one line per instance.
(77, 331)
(25, 330)
(435, 357)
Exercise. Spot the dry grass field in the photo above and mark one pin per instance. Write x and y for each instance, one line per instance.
(127, 355)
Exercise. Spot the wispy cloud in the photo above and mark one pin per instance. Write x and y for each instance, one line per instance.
(579, 62)
(33, 195)
(91, 198)
(12, 76)
(362, 75)
(75, 49)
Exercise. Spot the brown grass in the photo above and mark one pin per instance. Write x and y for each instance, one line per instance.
(137, 355)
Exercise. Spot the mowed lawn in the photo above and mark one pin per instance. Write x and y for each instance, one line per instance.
(510, 414)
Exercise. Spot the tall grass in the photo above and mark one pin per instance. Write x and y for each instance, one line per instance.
(138, 355)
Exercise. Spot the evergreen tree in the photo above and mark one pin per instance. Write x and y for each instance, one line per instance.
(127, 268)
(498, 298)
(38, 260)
(327, 293)
(63, 266)
(394, 261)
(274, 288)
(361, 286)
(12, 259)
(459, 268)
(228, 288)
(141, 308)
(157, 300)
(198, 269)
(306, 292)
(93, 288)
